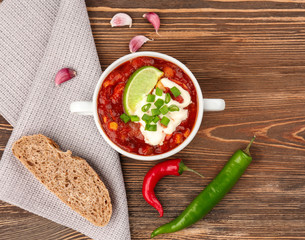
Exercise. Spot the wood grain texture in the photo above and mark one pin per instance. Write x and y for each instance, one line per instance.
(250, 53)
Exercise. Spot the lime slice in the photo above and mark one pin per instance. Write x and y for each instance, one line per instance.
(138, 86)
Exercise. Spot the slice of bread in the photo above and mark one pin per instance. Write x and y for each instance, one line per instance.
(70, 178)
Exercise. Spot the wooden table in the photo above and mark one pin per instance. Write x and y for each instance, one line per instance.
(250, 53)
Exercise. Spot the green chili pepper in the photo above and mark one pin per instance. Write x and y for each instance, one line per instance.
(173, 108)
(167, 98)
(146, 107)
(212, 194)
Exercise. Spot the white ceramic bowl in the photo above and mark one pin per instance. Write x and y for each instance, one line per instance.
(90, 108)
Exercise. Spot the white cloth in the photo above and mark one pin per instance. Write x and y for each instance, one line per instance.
(38, 38)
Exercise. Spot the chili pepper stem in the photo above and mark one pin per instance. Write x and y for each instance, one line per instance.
(247, 150)
(191, 170)
(183, 167)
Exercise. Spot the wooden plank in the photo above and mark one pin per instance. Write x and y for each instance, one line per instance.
(251, 54)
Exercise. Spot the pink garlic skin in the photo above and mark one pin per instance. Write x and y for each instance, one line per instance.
(64, 75)
(154, 19)
(121, 19)
(136, 43)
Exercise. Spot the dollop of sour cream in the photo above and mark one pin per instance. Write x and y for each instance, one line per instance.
(157, 137)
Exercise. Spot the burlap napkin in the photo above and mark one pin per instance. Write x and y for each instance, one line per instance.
(37, 38)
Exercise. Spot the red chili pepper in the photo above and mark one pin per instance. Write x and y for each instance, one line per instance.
(170, 167)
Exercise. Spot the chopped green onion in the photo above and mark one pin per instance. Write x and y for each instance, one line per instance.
(125, 118)
(152, 128)
(164, 121)
(159, 103)
(146, 107)
(150, 98)
(164, 110)
(155, 111)
(167, 98)
(156, 119)
(159, 92)
(134, 118)
(173, 108)
(176, 92)
(146, 118)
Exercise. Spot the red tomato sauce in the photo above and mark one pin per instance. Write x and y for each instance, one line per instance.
(128, 135)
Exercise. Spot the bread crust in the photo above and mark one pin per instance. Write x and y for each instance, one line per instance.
(69, 177)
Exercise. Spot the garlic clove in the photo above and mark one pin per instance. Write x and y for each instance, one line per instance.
(136, 42)
(64, 75)
(121, 19)
(154, 19)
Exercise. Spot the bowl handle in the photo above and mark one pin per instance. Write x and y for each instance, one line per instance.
(213, 104)
(82, 108)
